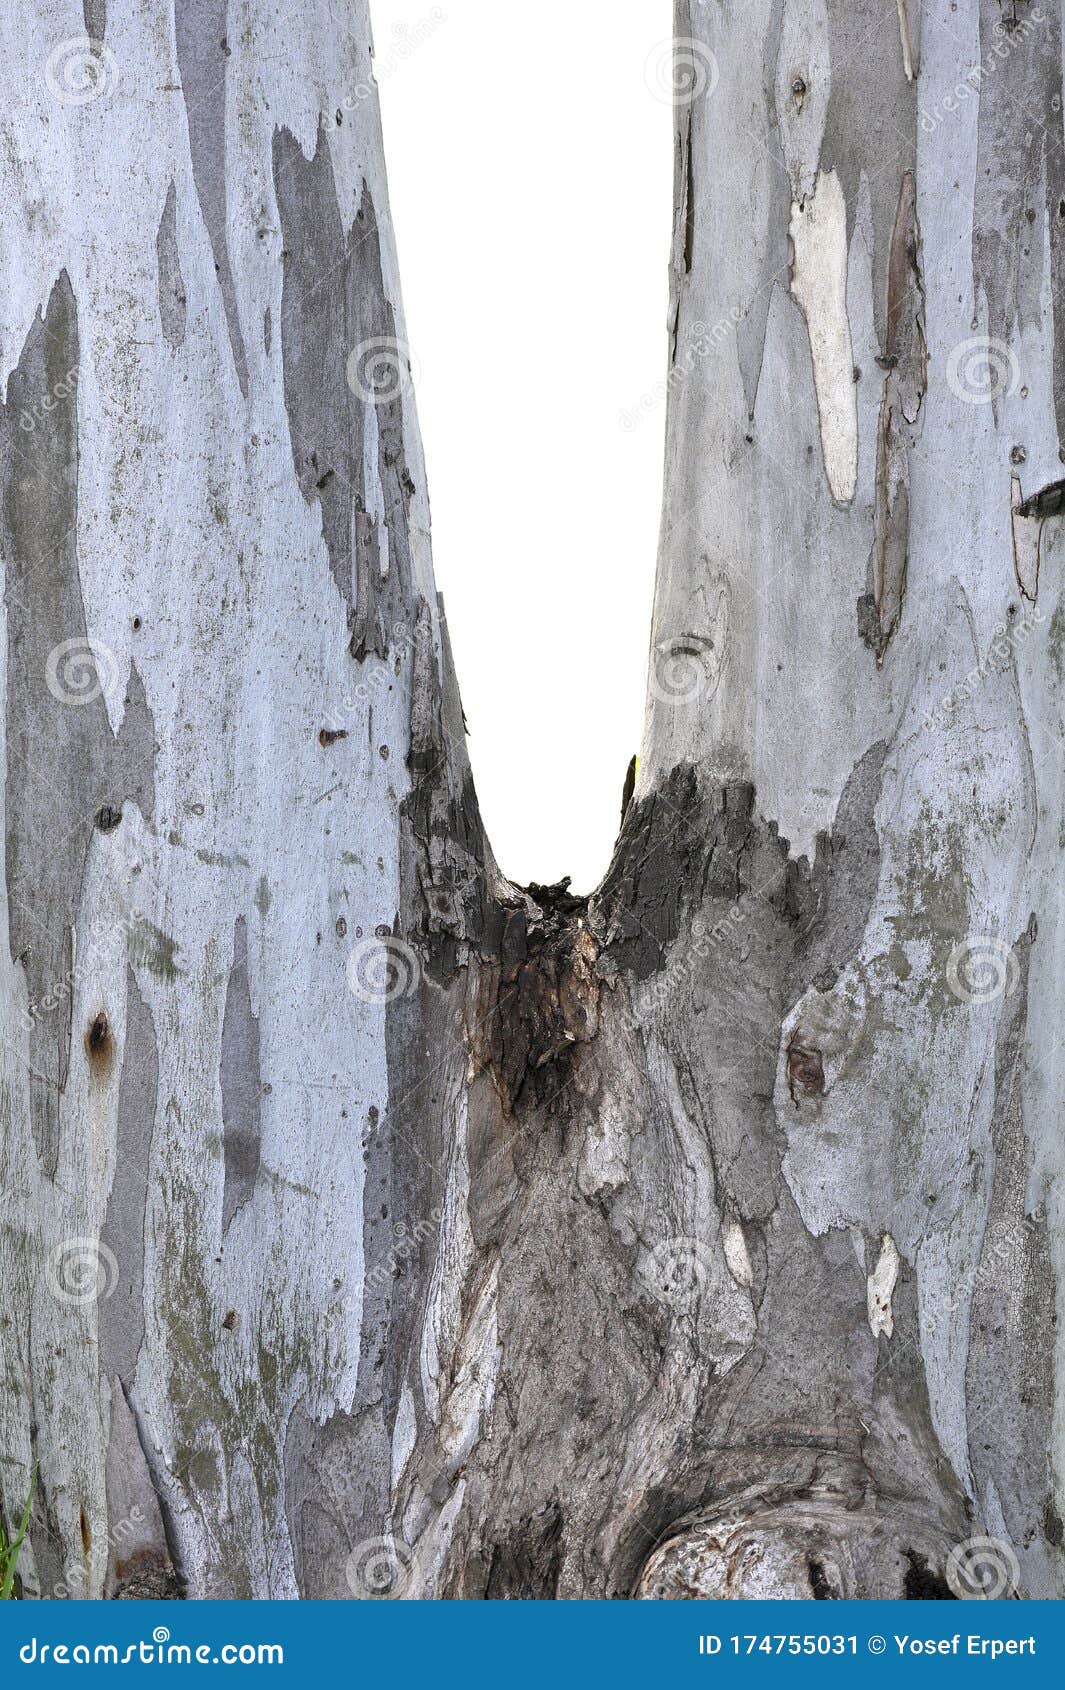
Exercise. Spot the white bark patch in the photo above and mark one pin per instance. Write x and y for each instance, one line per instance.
(404, 1434)
(910, 35)
(880, 1288)
(737, 1259)
(443, 1317)
(819, 283)
(475, 1366)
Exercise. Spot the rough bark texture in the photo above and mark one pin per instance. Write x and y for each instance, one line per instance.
(374, 1227)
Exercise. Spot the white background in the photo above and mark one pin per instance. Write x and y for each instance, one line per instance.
(530, 171)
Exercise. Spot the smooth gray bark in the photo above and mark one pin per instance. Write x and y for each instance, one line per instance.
(372, 1226)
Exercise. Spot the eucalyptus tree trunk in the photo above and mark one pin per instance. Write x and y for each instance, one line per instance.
(373, 1226)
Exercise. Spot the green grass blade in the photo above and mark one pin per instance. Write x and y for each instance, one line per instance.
(9, 1553)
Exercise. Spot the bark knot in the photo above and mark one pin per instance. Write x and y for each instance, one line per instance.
(99, 1045)
(806, 1071)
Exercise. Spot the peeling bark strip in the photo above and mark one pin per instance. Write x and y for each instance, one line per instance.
(240, 1077)
(373, 1227)
(203, 53)
(63, 761)
(1019, 178)
(905, 365)
(345, 372)
(173, 300)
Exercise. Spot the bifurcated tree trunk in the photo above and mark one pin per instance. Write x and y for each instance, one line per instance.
(372, 1226)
